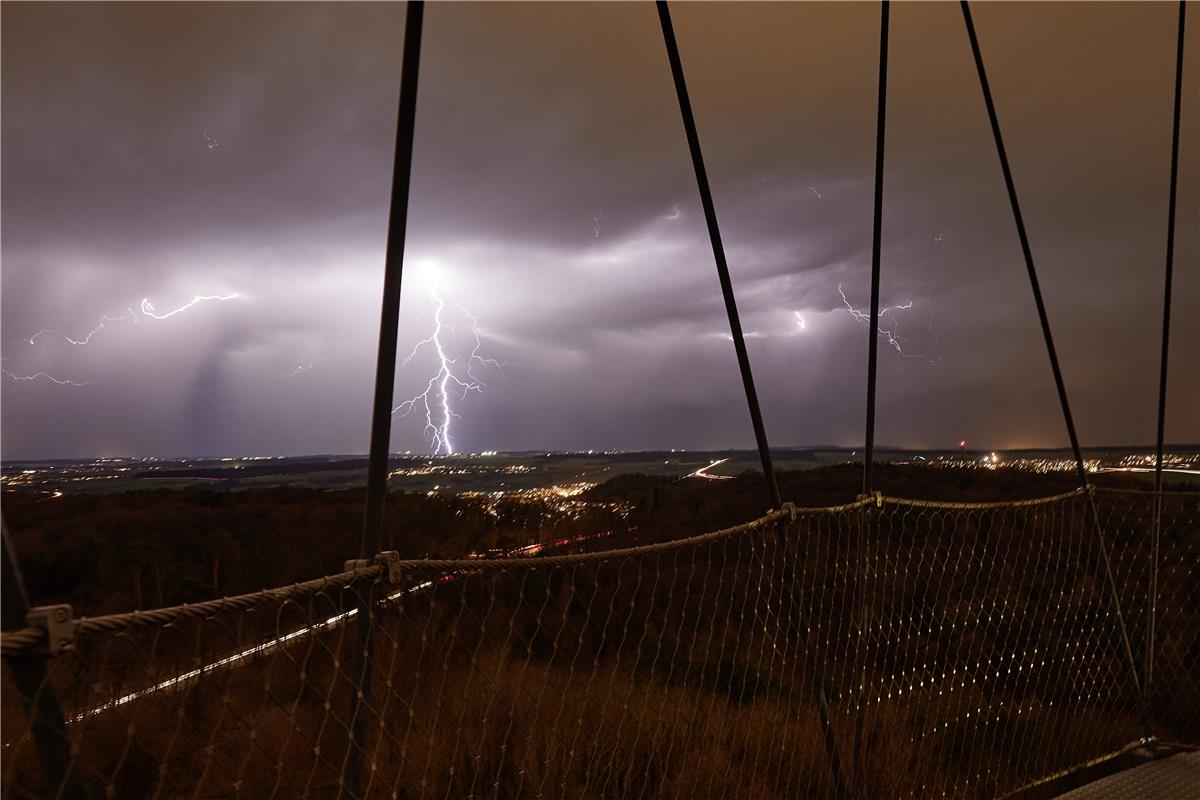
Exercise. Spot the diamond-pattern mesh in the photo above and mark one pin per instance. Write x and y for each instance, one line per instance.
(960, 650)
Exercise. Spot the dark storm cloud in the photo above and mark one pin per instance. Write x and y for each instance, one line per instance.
(174, 150)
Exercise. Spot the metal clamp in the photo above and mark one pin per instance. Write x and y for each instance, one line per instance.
(877, 496)
(789, 508)
(388, 559)
(57, 621)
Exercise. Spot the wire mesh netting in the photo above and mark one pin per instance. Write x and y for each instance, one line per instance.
(958, 650)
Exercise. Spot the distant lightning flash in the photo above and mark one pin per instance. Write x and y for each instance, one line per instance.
(129, 314)
(148, 308)
(454, 376)
(209, 142)
(47, 376)
(308, 366)
(893, 331)
(145, 310)
(800, 320)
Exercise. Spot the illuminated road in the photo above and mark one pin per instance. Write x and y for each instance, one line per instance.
(703, 472)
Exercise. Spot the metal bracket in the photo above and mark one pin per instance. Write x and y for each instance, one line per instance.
(876, 496)
(789, 508)
(57, 621)
(388, 559)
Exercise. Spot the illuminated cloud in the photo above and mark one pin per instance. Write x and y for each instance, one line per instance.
(552, 182)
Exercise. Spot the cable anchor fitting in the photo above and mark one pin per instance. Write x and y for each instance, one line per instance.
(58, 621)
(877, 496)
(389, 560)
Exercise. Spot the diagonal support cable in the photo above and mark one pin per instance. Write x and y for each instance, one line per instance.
(870, 516)
(876, 248)
(385, 365)
(1081, 470)
(739, 343)
(714, 236)
(385, 378)
(1166, 344)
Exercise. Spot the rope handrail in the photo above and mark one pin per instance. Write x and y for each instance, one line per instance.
(1148, 492)
(18, 640)
(21, 639)
(980, 506)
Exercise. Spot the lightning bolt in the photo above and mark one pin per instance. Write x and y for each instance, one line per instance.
(454, 379)
(129, 314)
(800, 320)
(46, 375)
(147, 307)
(893, 331)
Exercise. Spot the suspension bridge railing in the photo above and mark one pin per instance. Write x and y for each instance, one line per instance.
(976, 642)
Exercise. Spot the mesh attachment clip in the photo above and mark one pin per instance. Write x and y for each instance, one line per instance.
(57, 621)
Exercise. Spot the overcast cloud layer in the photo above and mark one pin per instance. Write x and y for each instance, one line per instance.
(169, 151)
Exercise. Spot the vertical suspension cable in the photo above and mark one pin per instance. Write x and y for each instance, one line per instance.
(1166, 343)
(714, 236)
(870, 516)
(1080, 469)
(385, 377)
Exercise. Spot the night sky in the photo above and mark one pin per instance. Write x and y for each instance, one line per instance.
(173, 151)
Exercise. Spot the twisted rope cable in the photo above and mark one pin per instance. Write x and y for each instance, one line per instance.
(14, 642)
(18, 641)
(1148, 492)
(598, 555)
(962, 506)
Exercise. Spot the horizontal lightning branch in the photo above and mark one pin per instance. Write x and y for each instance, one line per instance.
(891, 331)
(145, 310)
